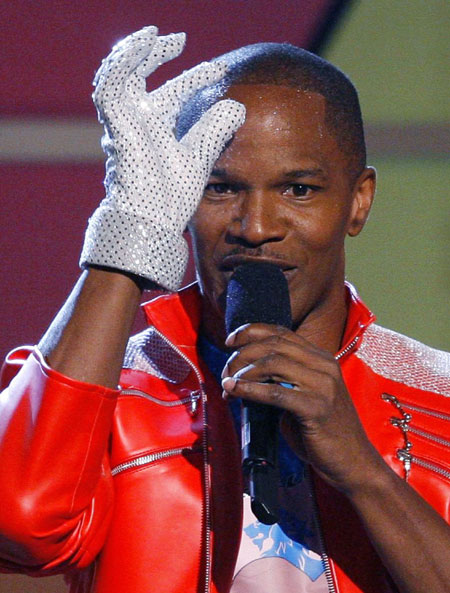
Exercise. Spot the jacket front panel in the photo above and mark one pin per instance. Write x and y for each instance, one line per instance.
(408, 419)
(176, 476)
(355, 565)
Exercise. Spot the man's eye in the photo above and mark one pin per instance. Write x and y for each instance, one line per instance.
(218, 189)
(298, 190)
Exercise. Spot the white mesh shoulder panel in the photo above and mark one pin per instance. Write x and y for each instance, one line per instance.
(403, 359)
(149, 352)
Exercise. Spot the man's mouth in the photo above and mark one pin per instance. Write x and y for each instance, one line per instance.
(232, 261)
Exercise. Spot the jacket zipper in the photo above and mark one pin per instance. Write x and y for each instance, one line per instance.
(407, 458)
(323, 550)
(428, 435)
(192, 399)
(406, 427)
(415, 408)
(404, 424)
(401, 404)
(206, 476)
(147, 459)
(348, 348)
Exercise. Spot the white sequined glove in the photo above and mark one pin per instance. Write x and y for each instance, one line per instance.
(153, 182)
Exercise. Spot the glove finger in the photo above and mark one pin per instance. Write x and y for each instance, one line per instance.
(166, 48)
(207, 137)
(125, 57)
(170, 97)
(132, 38)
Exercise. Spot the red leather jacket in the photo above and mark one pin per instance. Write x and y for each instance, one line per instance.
(142, 486)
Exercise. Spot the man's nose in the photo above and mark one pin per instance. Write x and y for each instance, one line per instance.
(256, 219)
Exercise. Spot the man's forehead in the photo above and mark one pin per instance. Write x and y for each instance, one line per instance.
(280, 110)
(285, 129)
(280, 113)
(263, 97)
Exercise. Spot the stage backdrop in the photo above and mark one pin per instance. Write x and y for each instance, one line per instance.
(51, 165)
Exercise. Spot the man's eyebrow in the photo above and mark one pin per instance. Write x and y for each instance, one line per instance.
(300, 173)
(219, 173)
(294, 174)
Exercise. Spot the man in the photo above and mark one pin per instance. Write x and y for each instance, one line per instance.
(140, 489)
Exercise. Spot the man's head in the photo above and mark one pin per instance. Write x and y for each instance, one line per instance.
(291, 184)
(283, 64)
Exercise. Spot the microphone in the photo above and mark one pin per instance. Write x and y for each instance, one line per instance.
(258, 293)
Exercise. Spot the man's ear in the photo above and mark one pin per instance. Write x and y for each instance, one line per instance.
(363, 195)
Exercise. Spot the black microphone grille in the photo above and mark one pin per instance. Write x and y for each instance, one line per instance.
(257, 292)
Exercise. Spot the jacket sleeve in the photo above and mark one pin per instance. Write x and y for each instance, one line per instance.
(55, 486)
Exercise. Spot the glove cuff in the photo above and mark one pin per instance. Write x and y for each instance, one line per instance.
(124, 241)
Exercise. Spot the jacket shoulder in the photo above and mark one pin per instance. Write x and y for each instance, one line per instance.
(149, 351)
(403, 359)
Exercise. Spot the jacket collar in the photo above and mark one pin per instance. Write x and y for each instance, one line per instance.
(177, 316)
(359, 317)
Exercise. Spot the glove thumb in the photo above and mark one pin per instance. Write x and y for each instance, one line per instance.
(208, 136)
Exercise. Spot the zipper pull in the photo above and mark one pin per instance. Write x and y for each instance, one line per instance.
(406, 459)
(401, 423)
(193, 409)
(389, 398)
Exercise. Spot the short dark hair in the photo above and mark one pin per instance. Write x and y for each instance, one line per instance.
(287, 65)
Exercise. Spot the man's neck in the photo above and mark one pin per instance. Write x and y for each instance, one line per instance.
(325, 326)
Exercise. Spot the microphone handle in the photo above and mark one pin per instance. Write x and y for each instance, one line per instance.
(259, 292)
(260, 459)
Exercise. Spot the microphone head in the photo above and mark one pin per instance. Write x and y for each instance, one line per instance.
(257, 292)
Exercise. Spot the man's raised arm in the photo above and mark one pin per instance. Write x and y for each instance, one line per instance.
(153, 185)
(55, 416)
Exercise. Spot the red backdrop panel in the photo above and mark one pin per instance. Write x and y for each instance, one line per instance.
(47, 210)
(41, 240)
(52, 48)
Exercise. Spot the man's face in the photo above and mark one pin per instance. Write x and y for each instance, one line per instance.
(280, 192)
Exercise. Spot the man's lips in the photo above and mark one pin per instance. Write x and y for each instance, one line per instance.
(230, 262)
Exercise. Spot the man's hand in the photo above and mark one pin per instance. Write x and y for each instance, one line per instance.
(322, 427)
(153, 182)
(321, 423)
